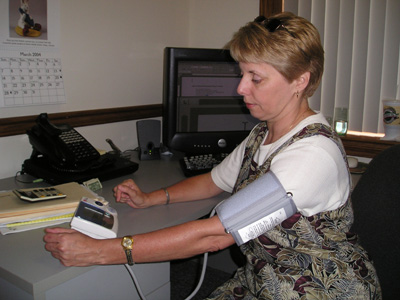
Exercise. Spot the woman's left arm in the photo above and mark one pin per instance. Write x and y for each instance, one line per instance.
(186, 240)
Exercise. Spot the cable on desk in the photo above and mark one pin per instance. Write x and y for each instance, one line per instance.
(23, 181)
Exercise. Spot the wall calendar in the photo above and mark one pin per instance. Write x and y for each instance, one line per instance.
(30, 63)
(31, 81)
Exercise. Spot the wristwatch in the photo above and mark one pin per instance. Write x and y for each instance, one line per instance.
(127, 244)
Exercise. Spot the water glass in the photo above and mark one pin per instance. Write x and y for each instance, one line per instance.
(341, 120)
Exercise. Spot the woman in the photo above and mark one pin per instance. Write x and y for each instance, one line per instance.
(311, 254)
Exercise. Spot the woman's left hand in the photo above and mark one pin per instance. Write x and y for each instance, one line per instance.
(71, 247)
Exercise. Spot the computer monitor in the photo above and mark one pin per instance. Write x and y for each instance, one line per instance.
(202, 111)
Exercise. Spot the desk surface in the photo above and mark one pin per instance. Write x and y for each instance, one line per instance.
(26, 264)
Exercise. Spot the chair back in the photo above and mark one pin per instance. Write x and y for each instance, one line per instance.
(376, 204)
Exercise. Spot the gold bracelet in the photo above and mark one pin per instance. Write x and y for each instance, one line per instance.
(166, 194)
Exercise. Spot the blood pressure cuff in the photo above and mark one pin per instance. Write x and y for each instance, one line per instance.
(256, 208)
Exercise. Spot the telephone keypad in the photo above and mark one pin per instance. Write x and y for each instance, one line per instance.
(81, 148)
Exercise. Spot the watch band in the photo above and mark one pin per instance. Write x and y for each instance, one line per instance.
(128, 253)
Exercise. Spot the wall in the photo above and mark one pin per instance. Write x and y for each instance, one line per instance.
(112, 57)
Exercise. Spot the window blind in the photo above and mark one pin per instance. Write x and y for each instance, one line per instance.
(361, 39)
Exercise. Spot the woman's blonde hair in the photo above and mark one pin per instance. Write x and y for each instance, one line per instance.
(293, 47)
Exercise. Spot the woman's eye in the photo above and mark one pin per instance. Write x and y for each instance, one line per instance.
(256, 79)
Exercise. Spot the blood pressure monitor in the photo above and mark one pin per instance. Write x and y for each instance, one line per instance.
(95, 218)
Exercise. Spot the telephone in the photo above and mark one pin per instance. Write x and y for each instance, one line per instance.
(61, 145)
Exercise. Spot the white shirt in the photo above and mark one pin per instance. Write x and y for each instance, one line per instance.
(312, 169)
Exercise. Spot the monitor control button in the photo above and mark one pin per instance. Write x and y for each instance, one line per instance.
(222, 143)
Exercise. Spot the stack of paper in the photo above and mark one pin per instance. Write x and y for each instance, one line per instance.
(17, 215)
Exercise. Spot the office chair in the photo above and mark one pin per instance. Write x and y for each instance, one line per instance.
(376, 203)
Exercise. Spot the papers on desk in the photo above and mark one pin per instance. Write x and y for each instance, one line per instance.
(35, 223)
(17, 215)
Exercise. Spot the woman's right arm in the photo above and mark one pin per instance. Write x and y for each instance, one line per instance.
(190, 189)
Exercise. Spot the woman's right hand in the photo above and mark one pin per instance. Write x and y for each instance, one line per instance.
(128, 192)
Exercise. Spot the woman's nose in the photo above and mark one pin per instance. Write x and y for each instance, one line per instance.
(241, 89)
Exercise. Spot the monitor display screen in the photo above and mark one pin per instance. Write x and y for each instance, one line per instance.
(202, 111)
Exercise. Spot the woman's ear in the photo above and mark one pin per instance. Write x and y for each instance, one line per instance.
(302, 81)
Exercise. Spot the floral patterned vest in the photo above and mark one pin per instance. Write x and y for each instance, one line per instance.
(315, 253)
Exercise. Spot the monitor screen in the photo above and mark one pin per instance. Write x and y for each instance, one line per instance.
(202, 111)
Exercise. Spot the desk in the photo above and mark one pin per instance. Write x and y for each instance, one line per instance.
(28, 271)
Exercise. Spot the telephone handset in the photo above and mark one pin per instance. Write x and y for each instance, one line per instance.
(62, 145)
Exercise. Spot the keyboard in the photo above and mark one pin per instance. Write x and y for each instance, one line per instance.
(193, 165)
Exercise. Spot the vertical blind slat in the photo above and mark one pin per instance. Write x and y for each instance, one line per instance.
(391, 47)
(358, 64)
(305, 8)
(345, 50)
(374, 66)
(318, 19)
(331, 31)
(291, 5)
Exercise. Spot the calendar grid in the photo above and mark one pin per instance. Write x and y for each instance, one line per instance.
(31, 81)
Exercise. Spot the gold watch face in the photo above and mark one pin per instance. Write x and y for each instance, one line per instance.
(127, 242)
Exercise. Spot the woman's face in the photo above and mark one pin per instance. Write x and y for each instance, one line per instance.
(267, 94)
